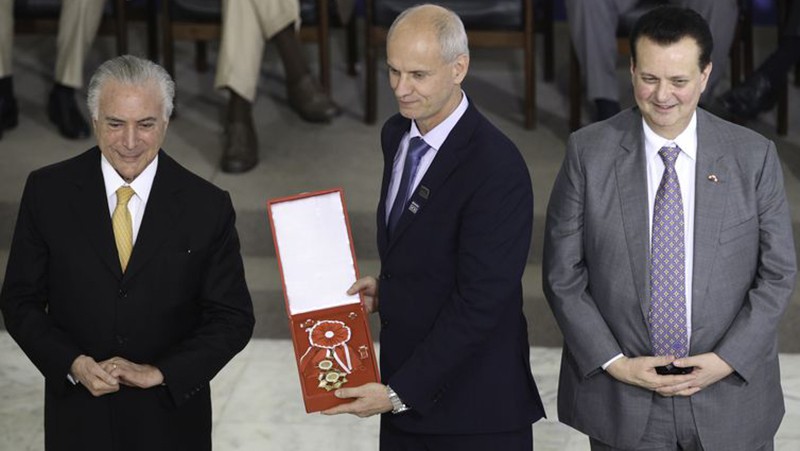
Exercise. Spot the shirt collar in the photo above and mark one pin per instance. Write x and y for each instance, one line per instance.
(686, 140)
(141, 185)
(436, 136)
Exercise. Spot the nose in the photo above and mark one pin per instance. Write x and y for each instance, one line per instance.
(663, 92)
(129, 139)
(402, 86)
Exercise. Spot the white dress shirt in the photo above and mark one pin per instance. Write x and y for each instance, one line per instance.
(141, 186)
(434, 139)
(686, 168)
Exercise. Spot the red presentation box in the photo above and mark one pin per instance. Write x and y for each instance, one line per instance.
(317, 261)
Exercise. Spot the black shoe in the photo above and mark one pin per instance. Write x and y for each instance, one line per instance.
(9, 115)
(63, 111)
(750, 98)
(308, 99)
(240, 152)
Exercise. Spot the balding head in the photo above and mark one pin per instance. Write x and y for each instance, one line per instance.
(428, 58)
(445, 25)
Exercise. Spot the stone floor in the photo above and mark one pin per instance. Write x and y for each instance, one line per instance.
(257, 401)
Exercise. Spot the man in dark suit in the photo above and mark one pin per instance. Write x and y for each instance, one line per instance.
(127, 322)
(669, 249)
(454, 229)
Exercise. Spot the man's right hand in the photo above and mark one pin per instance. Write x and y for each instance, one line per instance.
(368, 287)
(92, 376)
(641, 371)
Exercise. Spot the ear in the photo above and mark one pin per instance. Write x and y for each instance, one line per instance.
(704, 76)
(460, 67)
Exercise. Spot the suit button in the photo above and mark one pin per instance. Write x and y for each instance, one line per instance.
(385, 323)
(120, 339)
(123, 293)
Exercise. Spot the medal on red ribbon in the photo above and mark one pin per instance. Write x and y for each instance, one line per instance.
(329, 354)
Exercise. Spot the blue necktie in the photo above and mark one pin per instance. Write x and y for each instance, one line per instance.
(668, 331)
(416, 149)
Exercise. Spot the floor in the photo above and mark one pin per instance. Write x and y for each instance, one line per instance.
(257, 402)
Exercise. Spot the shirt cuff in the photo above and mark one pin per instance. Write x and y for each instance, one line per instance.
(613, 359)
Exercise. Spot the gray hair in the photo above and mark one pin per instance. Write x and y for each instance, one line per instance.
(448, 27)
(132, 70)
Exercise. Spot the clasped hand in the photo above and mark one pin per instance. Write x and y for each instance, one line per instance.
(106, 376)
(641, 371)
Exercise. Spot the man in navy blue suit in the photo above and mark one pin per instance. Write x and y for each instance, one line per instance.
(454, 229)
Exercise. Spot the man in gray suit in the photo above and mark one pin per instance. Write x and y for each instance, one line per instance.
(668, 262)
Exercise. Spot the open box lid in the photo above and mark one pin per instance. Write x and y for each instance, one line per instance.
(314, 249)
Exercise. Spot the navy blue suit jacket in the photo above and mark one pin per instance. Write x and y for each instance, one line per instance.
(454, 341)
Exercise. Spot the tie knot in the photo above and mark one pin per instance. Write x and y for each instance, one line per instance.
(417, 148)
(124, 194)
(669, 154)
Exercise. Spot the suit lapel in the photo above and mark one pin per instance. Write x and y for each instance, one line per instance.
(91, 208)
(160, 215)
(390, 142)
(447, 158)
(710, 198)
(631, 177)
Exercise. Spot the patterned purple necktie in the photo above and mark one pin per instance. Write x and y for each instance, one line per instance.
(668, 332)
(416, 149)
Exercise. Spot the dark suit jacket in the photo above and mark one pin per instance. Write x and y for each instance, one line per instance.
(454, 342)
(182, 305)
(596, 279)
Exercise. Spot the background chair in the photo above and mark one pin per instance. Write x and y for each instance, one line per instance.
(501, 23)
(200, 21)
(41, 16)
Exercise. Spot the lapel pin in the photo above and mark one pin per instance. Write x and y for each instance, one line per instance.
(413, 207)
(424, 192)
(713, 178)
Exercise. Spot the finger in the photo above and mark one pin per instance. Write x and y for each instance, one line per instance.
(686, 362)
(105, 377)
(667, 381)
(688, 392)
(359, 285)
(340, 409)
(344, 393)
(661, 360)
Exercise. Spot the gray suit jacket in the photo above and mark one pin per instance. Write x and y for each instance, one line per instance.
(596, 258)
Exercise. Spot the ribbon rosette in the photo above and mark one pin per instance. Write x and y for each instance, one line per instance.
(328, 341)
(328, 334)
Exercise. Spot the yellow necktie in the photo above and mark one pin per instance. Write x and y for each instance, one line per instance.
(123, 226)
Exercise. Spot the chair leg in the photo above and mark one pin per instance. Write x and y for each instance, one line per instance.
(782, 119)
(152, 29)
(574, 91)
(201, 56)
(352, 47)
(122, 27)
(783, 109)
(530, 67)
(167, 40)
(370, 109)
(323, 45)
(549, 59)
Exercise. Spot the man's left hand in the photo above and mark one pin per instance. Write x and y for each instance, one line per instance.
(708, 369)
(370, 399)
(133, 374)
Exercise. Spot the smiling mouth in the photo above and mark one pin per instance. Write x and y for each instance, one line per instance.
(664, 107)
